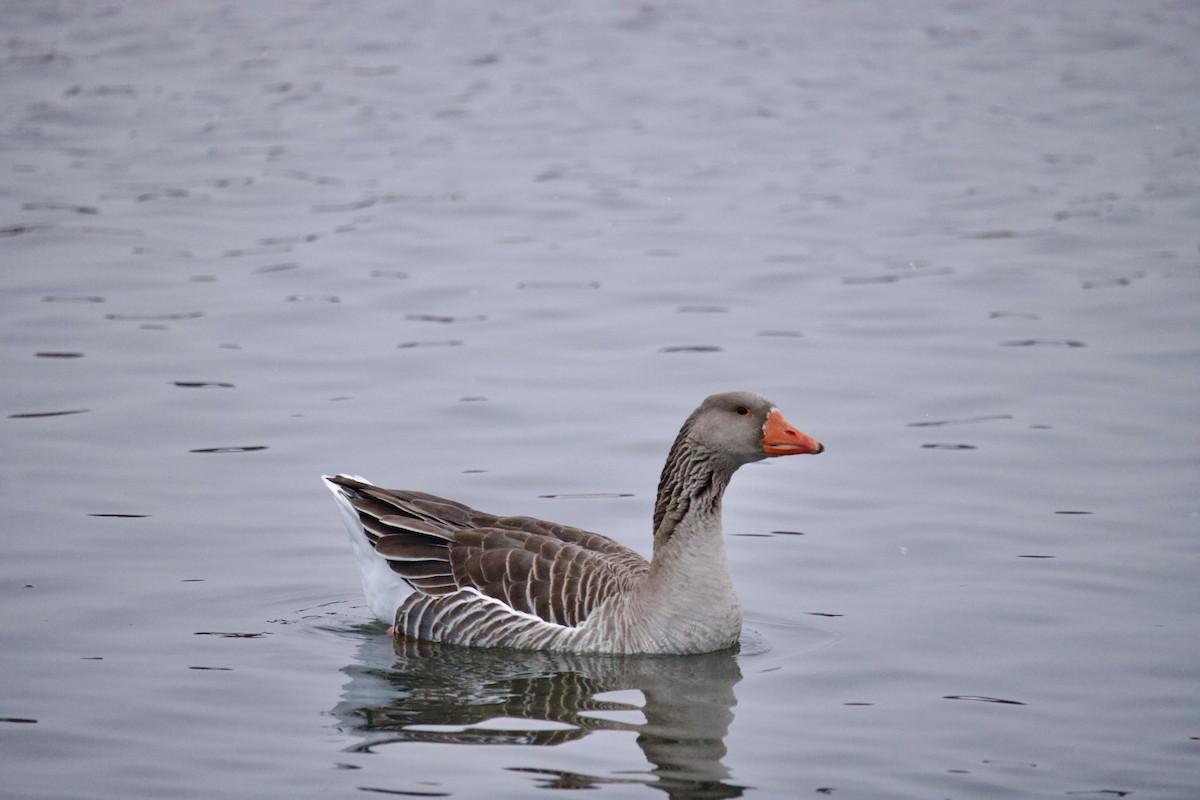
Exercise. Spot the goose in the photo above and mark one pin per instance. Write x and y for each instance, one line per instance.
(437, 570)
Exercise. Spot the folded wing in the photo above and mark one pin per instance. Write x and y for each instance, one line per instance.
(554, 573)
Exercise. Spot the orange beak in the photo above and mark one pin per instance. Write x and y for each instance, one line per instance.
(781, 439)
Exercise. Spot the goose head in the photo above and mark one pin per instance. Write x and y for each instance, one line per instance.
(741, 427)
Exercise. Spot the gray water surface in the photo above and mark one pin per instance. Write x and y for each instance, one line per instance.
(498, 252)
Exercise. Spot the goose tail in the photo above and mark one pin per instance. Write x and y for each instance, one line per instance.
(384, 589)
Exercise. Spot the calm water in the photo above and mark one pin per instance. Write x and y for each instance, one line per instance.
(498, 252)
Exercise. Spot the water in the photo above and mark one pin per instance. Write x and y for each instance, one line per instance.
(498, 253)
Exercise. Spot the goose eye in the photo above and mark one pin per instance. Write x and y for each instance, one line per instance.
(742, 410)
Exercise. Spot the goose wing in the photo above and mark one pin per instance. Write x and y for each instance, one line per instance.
(554, 573)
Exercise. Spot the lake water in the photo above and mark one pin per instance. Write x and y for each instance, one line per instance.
(498, 252)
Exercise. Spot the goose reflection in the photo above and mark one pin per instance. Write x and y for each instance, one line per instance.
(409, 691)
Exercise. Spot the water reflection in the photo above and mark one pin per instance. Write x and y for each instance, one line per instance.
(421, 692)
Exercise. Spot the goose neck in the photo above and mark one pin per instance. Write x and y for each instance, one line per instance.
(689, 492)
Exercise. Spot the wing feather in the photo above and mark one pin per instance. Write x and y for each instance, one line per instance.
(552, 573)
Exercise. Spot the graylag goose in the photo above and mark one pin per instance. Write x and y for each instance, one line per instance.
(437, 570)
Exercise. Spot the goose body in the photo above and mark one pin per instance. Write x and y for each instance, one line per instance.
(440, 571)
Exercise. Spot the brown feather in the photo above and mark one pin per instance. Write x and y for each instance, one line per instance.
(554, 572)
(402, 548)
(434, 584)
